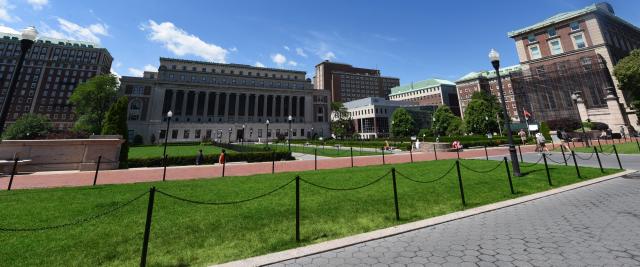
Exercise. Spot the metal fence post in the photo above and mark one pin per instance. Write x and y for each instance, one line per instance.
(411, 153)
(395, 193)
(464, 203)
(486, 153)
(638, 144)
(351, 157)
(546, 168)
(164, 167)
(13, 172)
(273, 162)
(575, 162)
(520, 151)
(506, 165)
(95, 177)
(147, 227)
(297, 208)
(382, 149)
(599, 144)
(617, 157)
(595, 150)
(564, 158)
(224, 166)
(315, 159)
(435, 153)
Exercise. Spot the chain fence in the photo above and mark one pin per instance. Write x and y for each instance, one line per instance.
(346, 189)
(481, 171)
(429, 181)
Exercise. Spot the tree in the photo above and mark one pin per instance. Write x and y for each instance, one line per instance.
(341, 121)
(115, 122)
(403, 124)
(92, 100)
(456, 127)
(544, 129)
(480, 114)
(443, 117)
(627, 72)
(28, 126)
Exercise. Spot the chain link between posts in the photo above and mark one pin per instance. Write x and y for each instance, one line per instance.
(345, 189)
(429, 181)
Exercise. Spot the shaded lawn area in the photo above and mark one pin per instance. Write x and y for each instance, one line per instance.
(625, 148)
(172, 151)
(326, 151)
(196, 235)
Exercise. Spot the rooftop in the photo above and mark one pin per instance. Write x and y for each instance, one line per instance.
(489, 74)
(419, 85)
(188, 61)
(44, 39)
(369, 101)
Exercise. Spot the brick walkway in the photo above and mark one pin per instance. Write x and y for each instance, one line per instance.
(76, 178)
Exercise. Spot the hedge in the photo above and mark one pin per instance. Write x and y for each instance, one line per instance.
(210, 159)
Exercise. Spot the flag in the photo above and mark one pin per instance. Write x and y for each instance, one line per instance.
(526, 113)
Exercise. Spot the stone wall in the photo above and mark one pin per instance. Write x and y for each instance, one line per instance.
(63, 154)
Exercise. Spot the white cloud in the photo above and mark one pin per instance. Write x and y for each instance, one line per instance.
(279, 59)
(115, 73)
(292, 63)
(38, 4)
(6, 29)
(182, 43)
(233, 49)
(301, 52)
(70, 30)
(259, 64)
(328, 56)
(5, 12)
(118, 64)
(139, 72)
(286, 48)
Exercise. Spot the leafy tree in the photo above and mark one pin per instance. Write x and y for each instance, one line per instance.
(544, 129)
(456, 127)
(116, 123)
(28, 126)
(92, 100)
(627, 72)
(426, 132)
(480, 115)
(341, 122)
(403, 124)
(443, 117)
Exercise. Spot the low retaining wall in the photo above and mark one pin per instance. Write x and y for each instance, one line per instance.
(440, 146)
(63, 154)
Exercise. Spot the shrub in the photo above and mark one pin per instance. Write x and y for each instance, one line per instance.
(137, 140)
(544, 129)
(28, 126)
(600, 126)
(115, 122)
(567, 124)
(211, 159)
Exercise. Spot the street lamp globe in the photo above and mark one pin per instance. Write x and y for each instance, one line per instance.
(29, 33)
(267, 122)
(574, 96)
(494, 55)
(243, 126)
(290, 118)
(169, 114)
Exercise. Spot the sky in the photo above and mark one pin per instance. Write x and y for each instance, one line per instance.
(411, 40)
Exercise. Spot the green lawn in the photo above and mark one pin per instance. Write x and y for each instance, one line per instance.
(185, 234)
(156, 151)
(326, 151)
(626, 148)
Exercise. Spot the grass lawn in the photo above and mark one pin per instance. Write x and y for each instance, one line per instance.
(156, 151)
(626, 148)
(326, 151)
(185, 234)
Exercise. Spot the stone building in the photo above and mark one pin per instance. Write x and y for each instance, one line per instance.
(52, 70)
(435, 92)
(347, 83)
(487, 81)
(575, 52)
(224, 102)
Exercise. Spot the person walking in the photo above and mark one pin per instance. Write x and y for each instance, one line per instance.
(563, 136)
(541, 144)
(222, 158)
(523, 136)
(200, 158)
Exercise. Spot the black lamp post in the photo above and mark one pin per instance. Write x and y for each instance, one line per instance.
(243, 127)
(250, 134)
(312, 133)
(230, 130)
(575, 97)
(290, 120)
(166, 134)
(495, 61)
(267, 122)
(28, 35)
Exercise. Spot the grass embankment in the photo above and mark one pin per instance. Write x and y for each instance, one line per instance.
(626, 148)
(324, 151)
(172, 151)
(188, 234)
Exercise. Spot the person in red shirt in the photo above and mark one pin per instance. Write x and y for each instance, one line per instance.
(221, 159)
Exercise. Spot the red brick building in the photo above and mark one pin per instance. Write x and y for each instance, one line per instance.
(487, 81)
(348, 83)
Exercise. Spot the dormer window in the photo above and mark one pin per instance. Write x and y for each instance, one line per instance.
(551, 32)
(574, 26)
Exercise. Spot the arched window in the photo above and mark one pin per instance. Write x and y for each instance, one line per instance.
(135, 109)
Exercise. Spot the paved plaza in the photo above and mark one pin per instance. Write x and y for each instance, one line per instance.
(597, 225)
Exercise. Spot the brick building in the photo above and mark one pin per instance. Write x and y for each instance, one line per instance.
(52, 69)
(435, 92)
(487, 81)
(347, 83)
(214, 101)
(590, 41)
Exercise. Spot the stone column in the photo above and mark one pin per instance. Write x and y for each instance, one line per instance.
(205, 110)
(616, 118)
(582, 108)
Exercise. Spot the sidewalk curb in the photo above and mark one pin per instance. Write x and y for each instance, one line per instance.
(408, 227)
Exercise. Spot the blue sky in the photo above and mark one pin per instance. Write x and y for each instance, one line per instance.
(412, 40)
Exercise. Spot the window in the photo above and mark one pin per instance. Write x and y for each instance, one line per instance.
(555, 46)
(534, 52)
(531, 38)
(186, 134)
(174, 134)
(574, 26)
(134, 110)
(551, 32)
(197, 134)
(578, 41)
(586, 63)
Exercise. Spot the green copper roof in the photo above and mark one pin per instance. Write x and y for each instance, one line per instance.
(555, 19)
(489, 74)
(419, 85)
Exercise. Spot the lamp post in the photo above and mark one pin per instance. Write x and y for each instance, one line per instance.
(312, 133)
(166, 134)
(498, 122)
(28, 35)
(250, 134)
(290, 119)
(267, 123)
(495, 61)
(230, 130)
(243, 127)
(575, 96)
